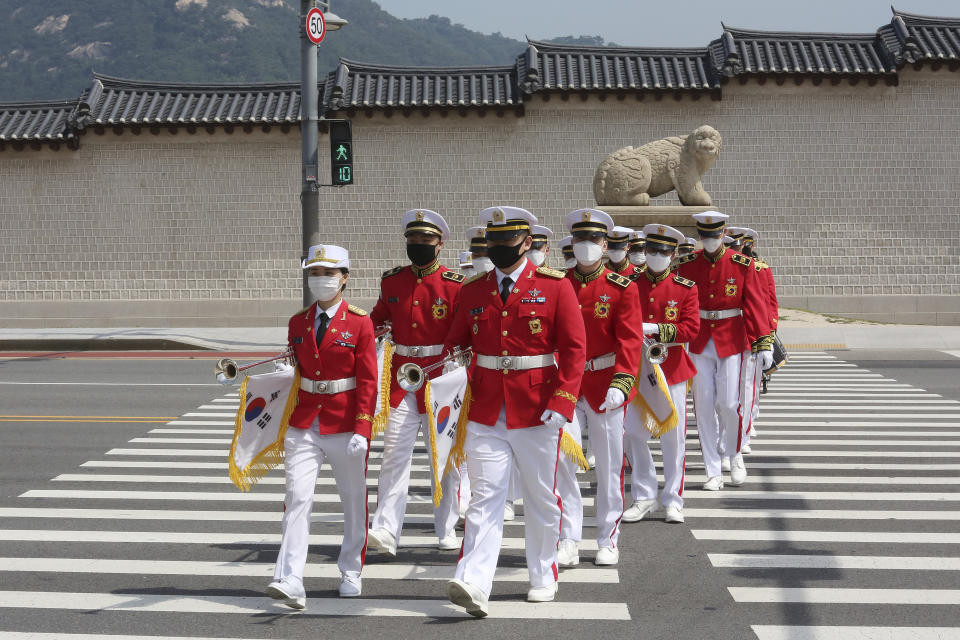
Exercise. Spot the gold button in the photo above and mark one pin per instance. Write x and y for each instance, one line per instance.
(414, 325)
(503, 353)
(583, 285)
(712, 325)
(653, 286)
(419, 280)
(650, 316)
(712, 281)
(319, 406)
(581, 306)
(309, 329)
(505, 371)
(504, 333)
(711, 295)
(651, 299)
(504, 314)
(316, 373)
(516, 290)
(533, 313)
(416, 303)
(316, 355)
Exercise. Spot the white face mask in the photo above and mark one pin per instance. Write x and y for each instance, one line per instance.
(482, 264)
(638, 258)
(324, 288)
(536, 257)
(616, 255)
(587, 252)
(658, 263)
(570, 263)
(711, 245)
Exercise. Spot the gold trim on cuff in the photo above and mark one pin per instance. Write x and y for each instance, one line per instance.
(565, 395)
(364, 416)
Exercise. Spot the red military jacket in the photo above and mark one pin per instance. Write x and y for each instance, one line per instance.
(610, 308)
(539, 317)
(347, 350)
(420, 303)
(626, 268)
(671, 302)
(766, 277)
(728, 282)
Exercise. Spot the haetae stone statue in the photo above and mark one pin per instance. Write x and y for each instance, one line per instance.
(630, 176)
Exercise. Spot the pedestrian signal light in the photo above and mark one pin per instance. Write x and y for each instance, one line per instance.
(341, 152)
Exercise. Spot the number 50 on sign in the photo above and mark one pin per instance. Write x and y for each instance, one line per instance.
(316, 27)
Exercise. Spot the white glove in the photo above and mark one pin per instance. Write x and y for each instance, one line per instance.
(614, 399)
(553, 419)
(766, 359)
(357, 447)
(450, 366)
(280, 365)
(650, 327)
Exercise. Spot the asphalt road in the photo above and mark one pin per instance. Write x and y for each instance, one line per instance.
(713, 577)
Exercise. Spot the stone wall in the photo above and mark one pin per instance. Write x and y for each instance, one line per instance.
(853, 190)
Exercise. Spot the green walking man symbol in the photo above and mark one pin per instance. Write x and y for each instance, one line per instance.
(342, 153)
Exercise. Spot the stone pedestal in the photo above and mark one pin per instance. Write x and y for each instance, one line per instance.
(677, 217)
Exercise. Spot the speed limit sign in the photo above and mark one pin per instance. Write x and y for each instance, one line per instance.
(316, 27)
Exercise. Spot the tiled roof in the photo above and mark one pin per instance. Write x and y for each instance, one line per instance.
(912, 38)
(36, 122)
(743, 52)
(547, 66)
(362, 85)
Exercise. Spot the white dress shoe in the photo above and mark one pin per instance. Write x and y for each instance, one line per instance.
(568, 555)
(592, 460)
(639, 510)
(725, 464)
(738, 471)
(449, 542)
(713, 484)
(350, 585)
(674, 515)
(607, 556)
(746, 448)
(292, 596)
(542, 594)
(382, 540)
(508, 512)
(470, 597)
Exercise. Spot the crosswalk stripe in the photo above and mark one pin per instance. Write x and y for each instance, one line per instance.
(863, 537)
(828, 453)
(181, 440)
(157, 464)
(823, 495)
(893, 430)
(904, 481)
(771, 561)
(179, 453)
(878, 400)
(39, 635)
(821, 514)
(840, 595)
(894, 421)
(852, 466)
(905, 394)
(315, 606)
(211, 415)
(780, 412)
(861, 442)
(845, 632)
(201, 423)
(898, 408)
(391, 571)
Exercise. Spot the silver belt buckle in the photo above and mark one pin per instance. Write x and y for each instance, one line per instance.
(414, 351)
(713, 315)
(504, 362)
(321, 386)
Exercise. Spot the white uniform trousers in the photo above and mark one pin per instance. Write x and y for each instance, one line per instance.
(571, 524)
(673, 445)
(304, 452)
(491, 451)
(757, 386)
(605, 431)
(399, 440)
(749, 368)
(716, 399)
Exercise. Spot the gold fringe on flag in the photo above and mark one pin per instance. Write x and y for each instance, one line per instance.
(383, 413)
(647, 417)
(573, 451)
(457, 455)
(432, 426)
(272, 456)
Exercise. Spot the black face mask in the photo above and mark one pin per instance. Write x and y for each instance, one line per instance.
(503, 256)
(421, 254)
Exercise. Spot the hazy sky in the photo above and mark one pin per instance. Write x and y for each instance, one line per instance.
(673, 24)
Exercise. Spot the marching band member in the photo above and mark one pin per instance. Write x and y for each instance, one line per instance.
(466, 264)
(635, 253)
(528, 342)
(609, 304)
(733, 319)
(478, 249)
(419, 300)
(566, 250)
(688, 246)
(540, 248)
(335, 352)
(672, 317)
(618, 241)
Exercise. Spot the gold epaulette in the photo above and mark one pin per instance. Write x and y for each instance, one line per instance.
(619, 280)
(687, 258)
(684, 281)
(453, 275)
(760, 264)
(476, 277)
(356, 310)
(391, 272)
(739, 258)
(551, 273)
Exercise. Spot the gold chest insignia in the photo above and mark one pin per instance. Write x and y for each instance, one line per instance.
(601, 309)
(535, 326)
(731, 287)
(670, 311)
(440, 309)
(476, 328)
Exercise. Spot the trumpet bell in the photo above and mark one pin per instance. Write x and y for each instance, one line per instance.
(227, 371)
(655, 352)
(410, 377)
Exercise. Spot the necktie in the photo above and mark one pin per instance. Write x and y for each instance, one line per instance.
(505, 288)
(322, 329)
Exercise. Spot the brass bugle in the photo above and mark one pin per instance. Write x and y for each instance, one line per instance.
(654, 351)
(411, 376)
(227, 370)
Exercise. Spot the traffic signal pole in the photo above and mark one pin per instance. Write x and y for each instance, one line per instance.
(309, 116)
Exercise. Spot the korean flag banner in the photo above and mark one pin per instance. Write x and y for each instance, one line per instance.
(448, 402)
(266, 402)
(657, 412)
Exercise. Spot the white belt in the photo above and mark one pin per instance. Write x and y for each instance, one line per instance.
(517, 363)
(605, 361)
(328, 386)
(720, 314)
(418, 351)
